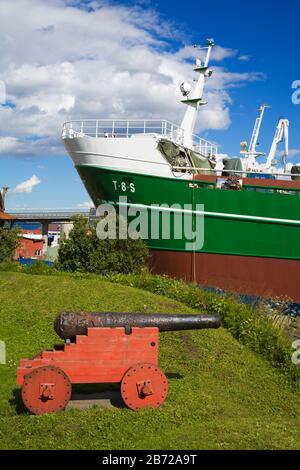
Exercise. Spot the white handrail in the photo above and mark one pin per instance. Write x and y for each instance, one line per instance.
(118, 128)
(126, 128)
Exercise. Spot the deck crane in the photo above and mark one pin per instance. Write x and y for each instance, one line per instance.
(281, 133)
(252, 153)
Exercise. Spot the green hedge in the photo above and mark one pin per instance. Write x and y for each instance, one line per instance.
(84, 252)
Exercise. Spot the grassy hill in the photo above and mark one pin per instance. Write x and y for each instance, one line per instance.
(221, 394)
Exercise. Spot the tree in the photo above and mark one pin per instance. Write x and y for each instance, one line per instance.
(8, 243)
(83, 251)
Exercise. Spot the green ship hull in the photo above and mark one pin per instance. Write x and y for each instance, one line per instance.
(248, 233)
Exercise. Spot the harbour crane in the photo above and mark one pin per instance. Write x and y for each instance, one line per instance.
(281, 134)
(252, 153)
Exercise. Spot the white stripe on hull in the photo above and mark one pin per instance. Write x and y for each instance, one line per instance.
(211, 214)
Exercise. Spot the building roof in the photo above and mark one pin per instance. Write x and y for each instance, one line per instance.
(4, 216)
(32, 236)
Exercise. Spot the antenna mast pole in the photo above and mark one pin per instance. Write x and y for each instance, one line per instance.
(195, 99)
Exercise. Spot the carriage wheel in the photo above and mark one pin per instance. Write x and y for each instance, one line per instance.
(144, 386)
(46, 389)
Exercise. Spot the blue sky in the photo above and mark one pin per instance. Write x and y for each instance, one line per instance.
(263, 34)
(267, 32)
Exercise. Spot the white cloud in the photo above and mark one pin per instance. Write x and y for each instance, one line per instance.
(244, 57)
(221, 53)
(27, 186)
(292, 153)
(114, 61)
(218, 53)
(85, 205)
(9, 144)
(216, 114)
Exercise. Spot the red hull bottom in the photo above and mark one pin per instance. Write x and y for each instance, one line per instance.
(266, 277)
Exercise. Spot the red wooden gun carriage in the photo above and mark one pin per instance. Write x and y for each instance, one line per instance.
(103, 348)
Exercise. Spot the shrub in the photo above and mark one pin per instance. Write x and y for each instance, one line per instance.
(84, 252)
(8, 243)
(39, 267)
(11, 266)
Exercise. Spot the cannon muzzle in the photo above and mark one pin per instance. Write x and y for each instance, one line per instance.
(67, 324)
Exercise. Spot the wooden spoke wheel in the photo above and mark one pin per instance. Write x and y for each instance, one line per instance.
(46, 389)
(144, 386)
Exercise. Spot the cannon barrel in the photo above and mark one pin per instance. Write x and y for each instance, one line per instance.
(68, 325)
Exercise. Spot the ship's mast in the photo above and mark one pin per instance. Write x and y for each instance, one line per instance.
(194, 99)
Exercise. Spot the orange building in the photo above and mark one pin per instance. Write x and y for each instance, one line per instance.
(31, 244)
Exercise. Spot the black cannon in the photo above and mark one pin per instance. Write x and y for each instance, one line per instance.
(67, 324)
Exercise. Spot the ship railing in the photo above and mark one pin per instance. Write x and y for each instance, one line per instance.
(126, 128)
(121, 128)
(204, 147)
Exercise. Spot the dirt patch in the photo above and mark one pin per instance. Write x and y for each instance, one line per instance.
(188, 344)
(108, 399)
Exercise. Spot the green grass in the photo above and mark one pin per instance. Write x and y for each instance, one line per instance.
(222, 395)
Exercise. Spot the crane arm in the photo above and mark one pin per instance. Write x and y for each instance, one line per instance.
(281, 133)
(252, 153)
(255, 133)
